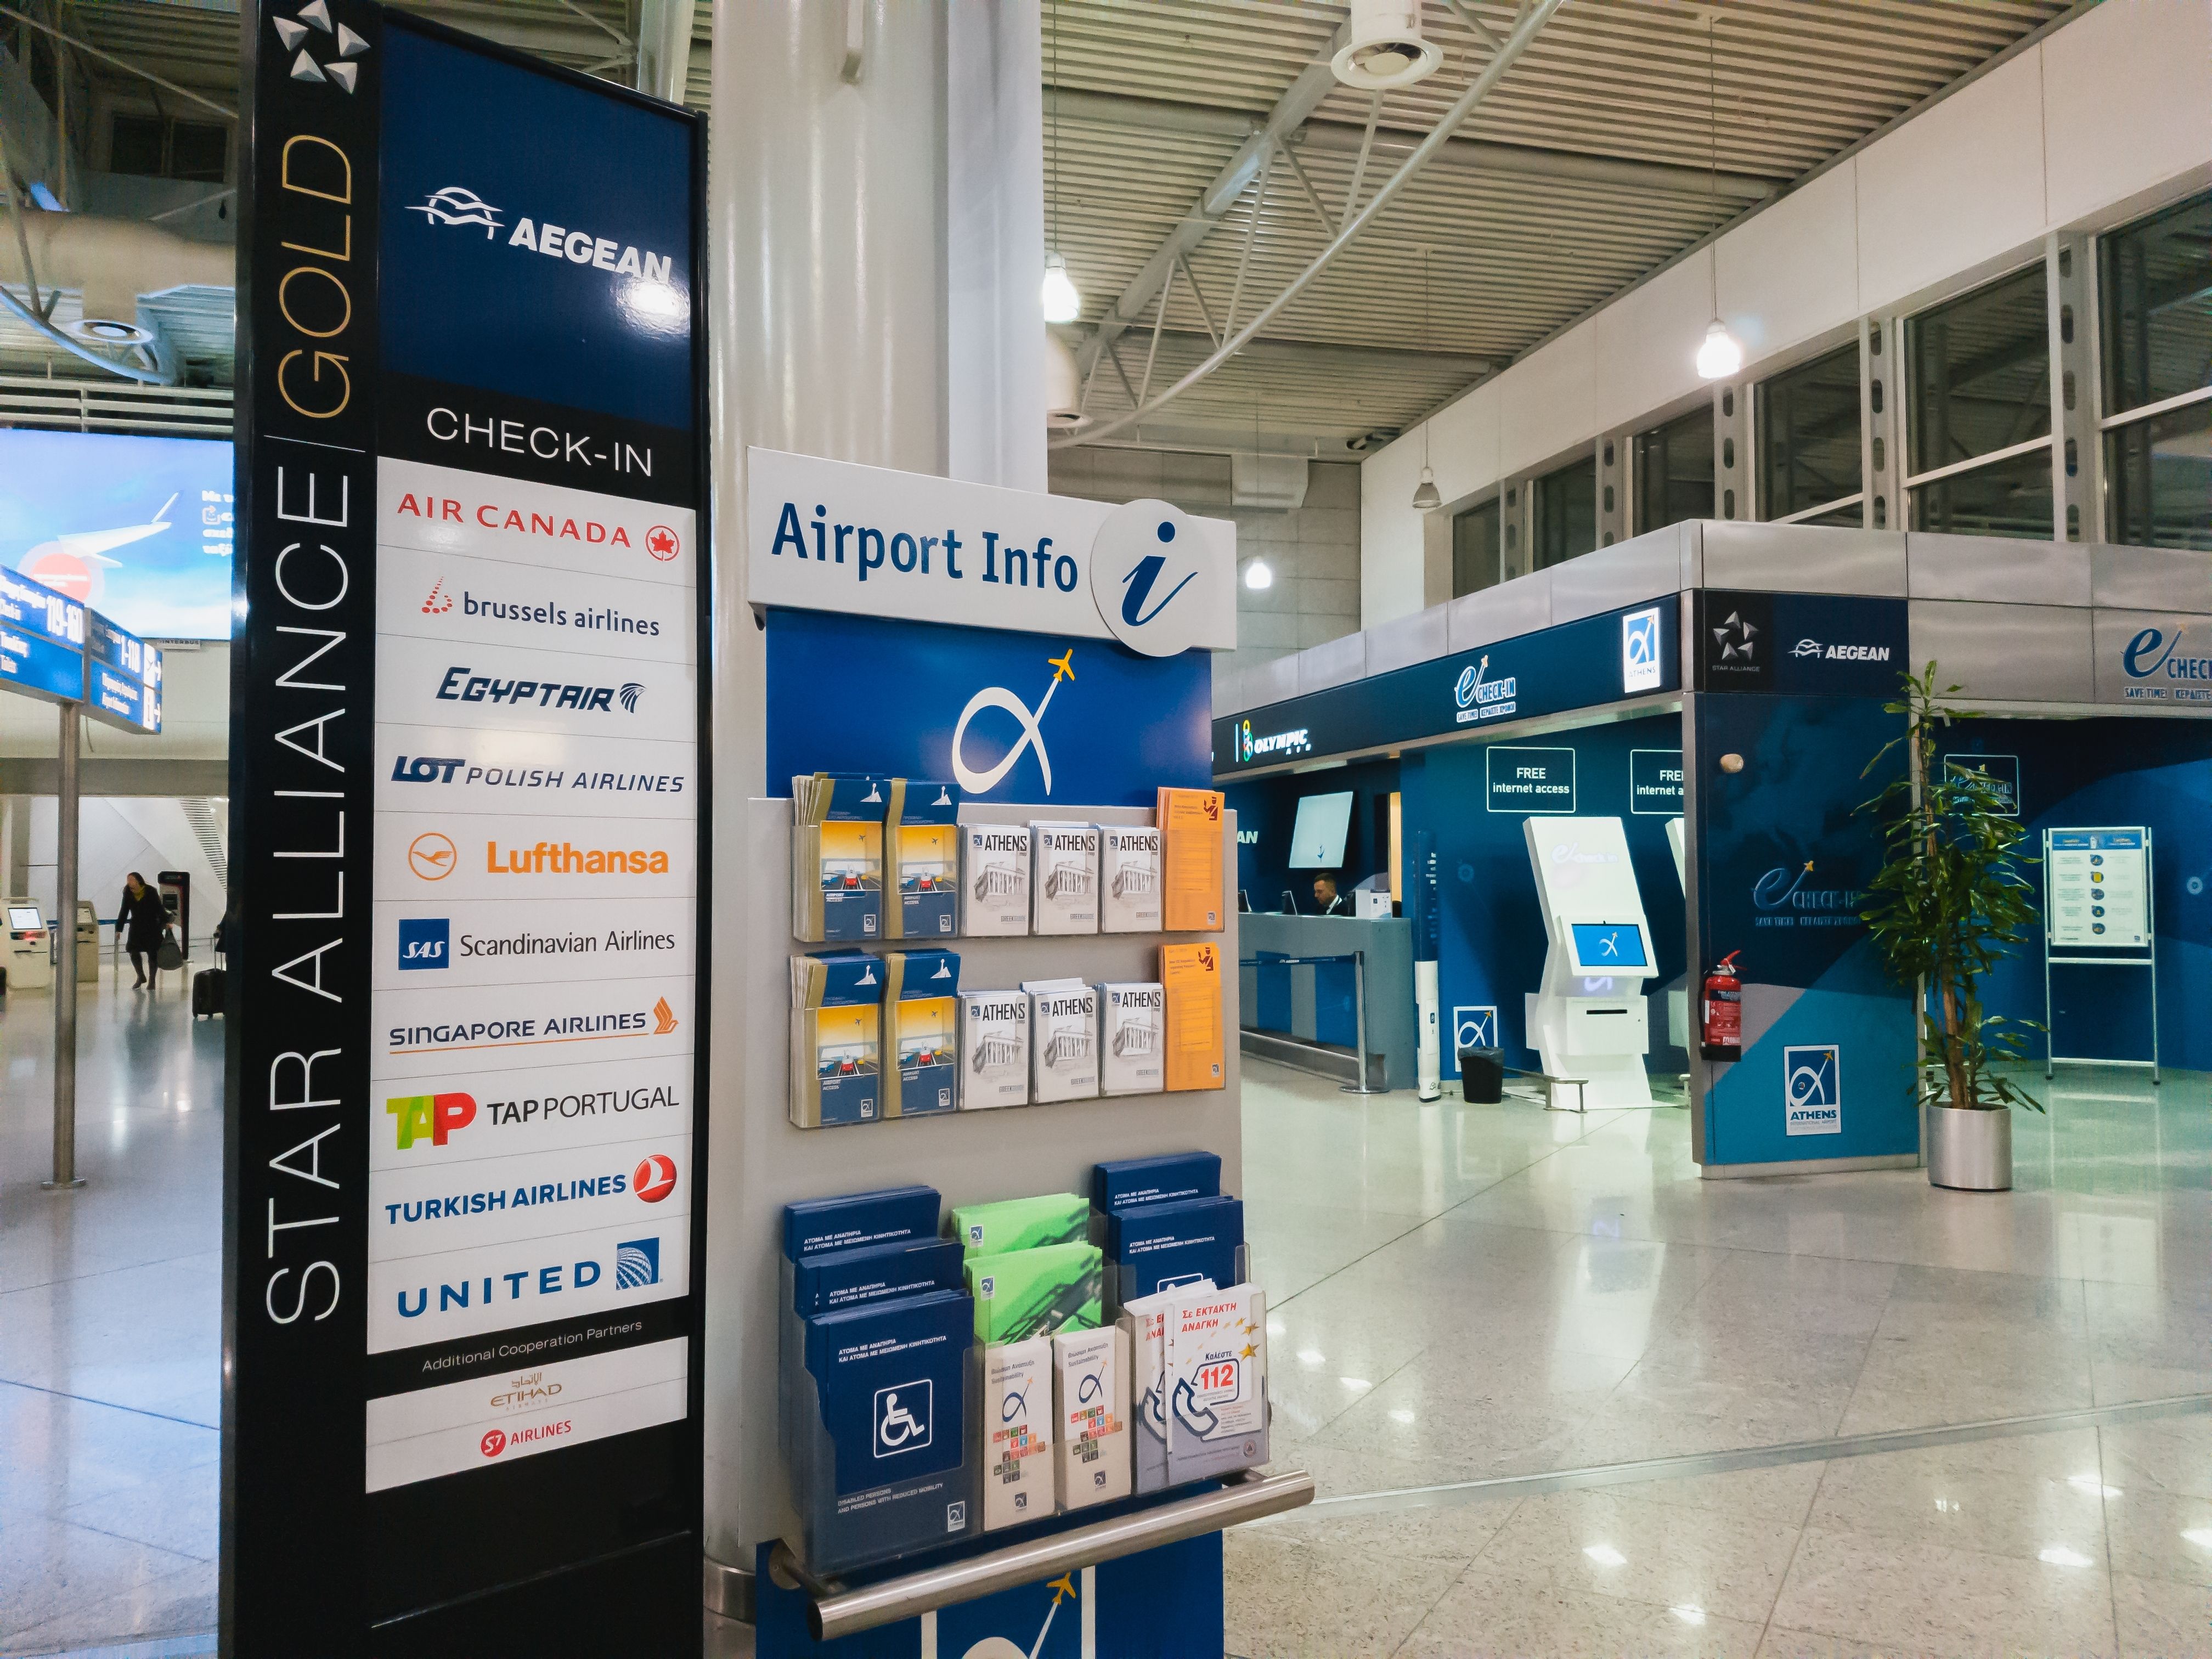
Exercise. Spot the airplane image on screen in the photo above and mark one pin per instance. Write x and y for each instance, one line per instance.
(76, 562)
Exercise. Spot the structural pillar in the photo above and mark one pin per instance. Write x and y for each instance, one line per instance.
(65, 839)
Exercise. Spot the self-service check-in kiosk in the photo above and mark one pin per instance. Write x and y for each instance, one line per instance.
(1589, 1020)
(30, 961)
(88, 943)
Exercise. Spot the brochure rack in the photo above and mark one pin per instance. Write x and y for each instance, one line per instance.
(765, 1162)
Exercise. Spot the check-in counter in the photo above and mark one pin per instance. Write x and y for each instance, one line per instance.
(1313, 1004)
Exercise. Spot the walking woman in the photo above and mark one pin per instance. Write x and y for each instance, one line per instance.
(141, 919)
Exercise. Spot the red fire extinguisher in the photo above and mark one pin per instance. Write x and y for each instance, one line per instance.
(1720, 1023)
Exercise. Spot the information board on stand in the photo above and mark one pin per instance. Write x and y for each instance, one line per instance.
(916, 1397)
(468, 763)
(2097, 912)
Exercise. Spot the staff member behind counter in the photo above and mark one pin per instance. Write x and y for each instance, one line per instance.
(1327, 901)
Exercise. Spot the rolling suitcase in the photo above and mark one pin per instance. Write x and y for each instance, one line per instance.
(207, 993)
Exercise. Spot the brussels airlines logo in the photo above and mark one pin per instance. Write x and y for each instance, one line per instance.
(1145, 556)
(997, 696)
(425, 942)
(454, 205)
(1812, 1087)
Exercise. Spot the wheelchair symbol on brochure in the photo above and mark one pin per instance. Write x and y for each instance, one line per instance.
(898, 1427)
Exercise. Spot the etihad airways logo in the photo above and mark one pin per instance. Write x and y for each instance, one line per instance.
(457, 204)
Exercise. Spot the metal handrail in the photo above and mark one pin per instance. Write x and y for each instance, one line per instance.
(833, 1610)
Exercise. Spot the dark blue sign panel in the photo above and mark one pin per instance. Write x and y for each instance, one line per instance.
(1628, 653)
(122, 676)
(1655, 782)
(1538, 781)
(1025, 717)
(41, 640)
(1800, 645)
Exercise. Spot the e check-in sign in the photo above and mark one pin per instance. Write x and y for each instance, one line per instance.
(1527, 781)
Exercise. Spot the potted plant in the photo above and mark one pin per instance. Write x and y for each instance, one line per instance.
(1950, 901)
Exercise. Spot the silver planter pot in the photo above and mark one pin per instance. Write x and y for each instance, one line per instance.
(1970, 1149)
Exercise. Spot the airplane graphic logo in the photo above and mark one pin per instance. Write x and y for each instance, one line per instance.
(454, 205)
(997, 696)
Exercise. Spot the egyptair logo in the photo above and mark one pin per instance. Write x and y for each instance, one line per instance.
(454, 205)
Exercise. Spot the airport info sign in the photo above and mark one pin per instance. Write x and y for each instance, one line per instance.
(121, 677)
(465, 1041)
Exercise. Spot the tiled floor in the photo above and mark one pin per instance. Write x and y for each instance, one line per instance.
(1465, 1294)
(110, 1313)
(1461, 1294)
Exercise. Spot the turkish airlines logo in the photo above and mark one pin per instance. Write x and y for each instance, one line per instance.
(654, 1178)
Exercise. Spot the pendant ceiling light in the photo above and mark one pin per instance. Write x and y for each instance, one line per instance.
(1719, 356)
(1425, 496)
(1061, 301)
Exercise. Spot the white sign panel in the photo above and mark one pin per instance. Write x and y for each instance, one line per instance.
(2099, 888)
(832, 535)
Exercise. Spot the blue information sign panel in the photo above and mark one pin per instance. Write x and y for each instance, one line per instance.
(122, 676)
(41, 640)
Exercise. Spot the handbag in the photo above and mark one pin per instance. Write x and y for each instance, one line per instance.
(167, 956)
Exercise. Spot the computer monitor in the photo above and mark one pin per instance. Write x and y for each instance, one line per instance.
(1608, 947)
(25, 918)
(1317, 835)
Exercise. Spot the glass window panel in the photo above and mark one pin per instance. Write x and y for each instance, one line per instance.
(197, 151)
(135, 145)
(2156, 286)
(1474, 549)
(2159, 472)
(2006, 498)
(1981, 372)
(1566, 512)
(1674, 471)
(1808, 436)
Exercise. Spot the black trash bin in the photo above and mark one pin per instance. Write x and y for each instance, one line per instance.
(1482, 1075)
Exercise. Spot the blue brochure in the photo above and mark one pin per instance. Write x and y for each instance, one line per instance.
(848, 1222)
(1172, 1175)
(891, 1471)
(845, 1278)
(1160, 1246)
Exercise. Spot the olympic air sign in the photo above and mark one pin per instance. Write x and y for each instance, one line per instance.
(832, 535)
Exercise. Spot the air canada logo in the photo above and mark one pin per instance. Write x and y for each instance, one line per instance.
(310, 29)
(663, 543)
(455, 206)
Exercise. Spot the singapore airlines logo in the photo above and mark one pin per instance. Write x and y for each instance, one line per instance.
(997, 696)
(454, 205)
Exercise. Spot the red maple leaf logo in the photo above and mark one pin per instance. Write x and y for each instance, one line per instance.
(660, 541)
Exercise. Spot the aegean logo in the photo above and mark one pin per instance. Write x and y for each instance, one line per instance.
(1810, 647)
(1143, 562)
(454, 205)
(1813, 1089)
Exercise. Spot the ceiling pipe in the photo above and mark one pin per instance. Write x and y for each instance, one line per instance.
(1342, 138)
(1536, 14)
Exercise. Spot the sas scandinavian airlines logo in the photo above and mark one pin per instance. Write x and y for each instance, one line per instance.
(1032, 724)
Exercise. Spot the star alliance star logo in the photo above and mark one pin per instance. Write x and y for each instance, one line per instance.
(298, 31)
(1736, 639)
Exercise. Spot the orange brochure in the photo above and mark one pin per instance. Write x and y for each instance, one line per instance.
(1190, 823)
(1190, 974)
